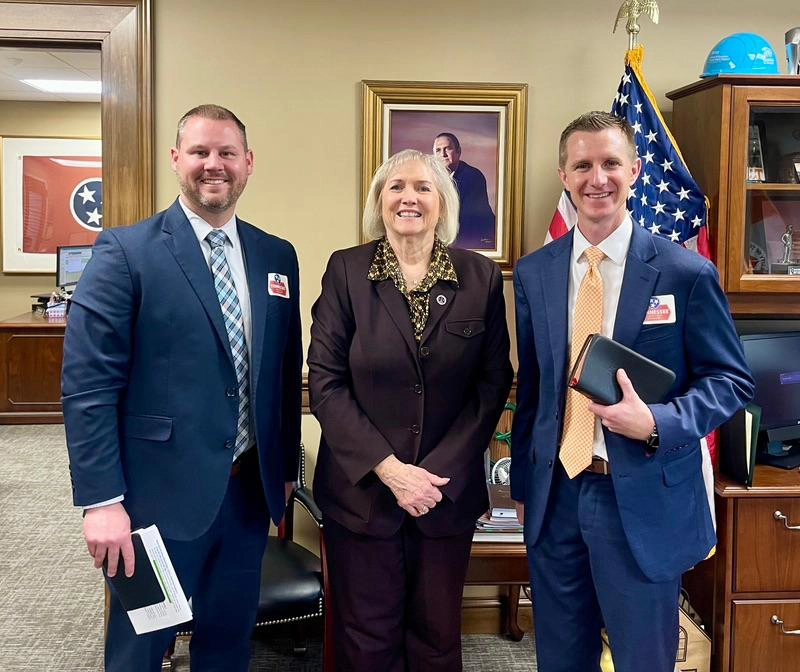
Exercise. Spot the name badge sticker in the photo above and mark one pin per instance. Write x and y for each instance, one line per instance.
(661, 310)
(278, 285)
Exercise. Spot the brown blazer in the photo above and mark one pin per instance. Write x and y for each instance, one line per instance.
(376, 392)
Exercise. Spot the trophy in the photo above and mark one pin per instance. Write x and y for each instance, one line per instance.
(755, 158)
(789, 170)
(786, 266)
(786, 239)
(793, 51)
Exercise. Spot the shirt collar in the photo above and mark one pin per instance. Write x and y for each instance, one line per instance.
(202, 228)
(615, 246)
(384, 265)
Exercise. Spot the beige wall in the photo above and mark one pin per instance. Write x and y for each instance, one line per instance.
(27, 119)
(291, 70)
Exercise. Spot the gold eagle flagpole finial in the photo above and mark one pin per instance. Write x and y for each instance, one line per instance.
(631, 10)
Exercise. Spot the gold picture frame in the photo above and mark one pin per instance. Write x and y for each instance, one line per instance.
(491, 119)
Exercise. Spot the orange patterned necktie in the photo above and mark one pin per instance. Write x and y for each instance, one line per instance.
(578, 435)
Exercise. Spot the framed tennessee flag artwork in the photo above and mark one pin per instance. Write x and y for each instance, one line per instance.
(52, 196)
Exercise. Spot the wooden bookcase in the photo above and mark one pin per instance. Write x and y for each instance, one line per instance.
(752, 182)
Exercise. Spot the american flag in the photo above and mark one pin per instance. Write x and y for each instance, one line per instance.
(665, 199)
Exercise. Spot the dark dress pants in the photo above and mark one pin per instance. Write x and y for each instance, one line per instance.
(583, 575)
(396, 602)
(221, 572)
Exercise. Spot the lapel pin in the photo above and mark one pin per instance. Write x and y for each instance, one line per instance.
(441, 299)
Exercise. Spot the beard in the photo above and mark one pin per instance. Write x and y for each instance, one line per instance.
(217, 202)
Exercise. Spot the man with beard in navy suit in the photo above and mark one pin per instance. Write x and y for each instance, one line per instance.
(181, 393)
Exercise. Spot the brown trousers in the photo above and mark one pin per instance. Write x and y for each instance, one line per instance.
(396, 602)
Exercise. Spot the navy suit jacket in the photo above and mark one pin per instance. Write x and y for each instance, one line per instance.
(149, 388)
(662, 500)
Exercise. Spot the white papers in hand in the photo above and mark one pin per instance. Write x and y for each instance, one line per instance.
(173, 610)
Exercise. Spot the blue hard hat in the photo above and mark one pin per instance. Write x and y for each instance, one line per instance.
(741, 54)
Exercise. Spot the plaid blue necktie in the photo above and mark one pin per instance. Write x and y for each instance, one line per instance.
(234, 325)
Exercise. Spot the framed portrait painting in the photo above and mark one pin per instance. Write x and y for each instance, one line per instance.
(52, 196)
(478, 131)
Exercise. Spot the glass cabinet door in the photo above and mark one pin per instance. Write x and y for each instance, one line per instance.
(764, 231)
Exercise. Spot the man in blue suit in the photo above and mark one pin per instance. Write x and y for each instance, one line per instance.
(181, 392)
(609, 536)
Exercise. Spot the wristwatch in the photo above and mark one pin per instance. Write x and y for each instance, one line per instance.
(652, 440)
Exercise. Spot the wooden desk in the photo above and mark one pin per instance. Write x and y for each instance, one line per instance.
(754, 575)
(31, 350)
(495, 563)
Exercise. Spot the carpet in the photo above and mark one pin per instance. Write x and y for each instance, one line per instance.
(51, 597)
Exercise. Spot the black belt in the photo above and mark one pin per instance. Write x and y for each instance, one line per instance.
(247, 456)
(599, 466)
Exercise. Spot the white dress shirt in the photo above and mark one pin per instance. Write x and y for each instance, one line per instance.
(612, 269)
(235, 257)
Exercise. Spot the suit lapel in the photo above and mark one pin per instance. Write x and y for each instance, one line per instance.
(440, 299)
(637, 287)
(555, 288)
(396, 306)
(257, 263)
(184, 246)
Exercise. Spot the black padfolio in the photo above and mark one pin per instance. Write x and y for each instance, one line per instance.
(595, 372)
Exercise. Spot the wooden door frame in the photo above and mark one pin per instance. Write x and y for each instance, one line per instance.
(122, 31)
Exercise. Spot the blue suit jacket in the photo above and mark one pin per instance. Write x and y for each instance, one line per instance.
(661, 499)
(149, 387)
(476, 228)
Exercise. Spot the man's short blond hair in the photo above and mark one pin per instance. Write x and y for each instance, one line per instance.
(594, 122)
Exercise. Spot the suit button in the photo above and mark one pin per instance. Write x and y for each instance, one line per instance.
(229, 444)
(418, 389)
(424, 351)
(467, 331)
(550, 463)
(414, 429)
(230, 392)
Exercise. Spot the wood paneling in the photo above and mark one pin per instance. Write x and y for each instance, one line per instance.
(701, 128)
(499, 564)
(30, 361)
(30, 370)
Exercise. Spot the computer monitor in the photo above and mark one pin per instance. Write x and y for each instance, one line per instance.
(774, 360)
(70, 262)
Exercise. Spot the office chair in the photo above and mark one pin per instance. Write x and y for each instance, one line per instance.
(294, 581)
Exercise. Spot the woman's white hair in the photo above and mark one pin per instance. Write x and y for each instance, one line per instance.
(446, 228)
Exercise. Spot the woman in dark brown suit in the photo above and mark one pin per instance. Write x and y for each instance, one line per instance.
(408, 374)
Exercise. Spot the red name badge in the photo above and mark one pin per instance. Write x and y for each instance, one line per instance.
(278, 285)
(660, 310)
